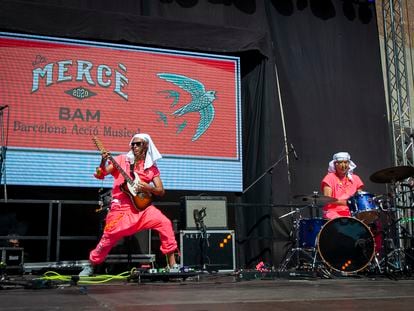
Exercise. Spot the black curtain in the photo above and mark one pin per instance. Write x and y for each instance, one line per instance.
(330, 71)
(311, 76)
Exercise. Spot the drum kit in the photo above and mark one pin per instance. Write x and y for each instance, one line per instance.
(372, 240)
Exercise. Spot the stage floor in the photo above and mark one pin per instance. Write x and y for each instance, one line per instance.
(219, 292)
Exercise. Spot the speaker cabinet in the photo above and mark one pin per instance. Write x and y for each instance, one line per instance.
(12, 256)
(215, 211)
(216, 253)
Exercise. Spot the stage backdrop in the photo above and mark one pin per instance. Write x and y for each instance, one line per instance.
(310, 74)
(61, 93)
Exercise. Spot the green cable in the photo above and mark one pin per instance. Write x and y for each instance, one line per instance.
(406, 219)
(102, 278)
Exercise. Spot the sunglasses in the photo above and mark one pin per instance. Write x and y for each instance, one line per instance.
(341, 162)
(137, 143)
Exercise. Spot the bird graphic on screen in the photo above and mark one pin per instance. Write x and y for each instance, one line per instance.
(201, 100)
(172, 94)
(162, 117)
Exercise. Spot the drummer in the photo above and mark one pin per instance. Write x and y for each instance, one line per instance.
(340, 183)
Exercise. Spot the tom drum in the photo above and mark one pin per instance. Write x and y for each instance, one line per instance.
(362, 206)
(308, 231)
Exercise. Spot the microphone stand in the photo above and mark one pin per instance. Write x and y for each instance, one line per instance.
(204, 243)
(268, 171)
(289, 150)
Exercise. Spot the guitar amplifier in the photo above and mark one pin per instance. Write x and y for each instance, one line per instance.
(215, 209)
(216, 252)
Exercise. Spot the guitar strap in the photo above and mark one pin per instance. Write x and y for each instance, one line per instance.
(131, 170)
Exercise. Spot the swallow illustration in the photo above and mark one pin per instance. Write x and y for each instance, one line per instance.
(201, 100)
(172, 94)
(162, 117)
(181, 127)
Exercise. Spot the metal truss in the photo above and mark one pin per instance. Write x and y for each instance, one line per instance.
(398, 91)
(399, 111)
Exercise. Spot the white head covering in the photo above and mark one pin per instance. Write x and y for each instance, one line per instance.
(152, 152)
(342, 156)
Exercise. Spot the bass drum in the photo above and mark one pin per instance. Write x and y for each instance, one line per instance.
(346, 244)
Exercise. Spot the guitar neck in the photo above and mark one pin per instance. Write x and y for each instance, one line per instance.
(101, 148)
(119, 168)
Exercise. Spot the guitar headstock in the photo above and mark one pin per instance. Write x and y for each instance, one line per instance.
(99, 144)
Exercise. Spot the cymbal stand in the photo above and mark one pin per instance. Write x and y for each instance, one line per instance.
(392, 261)
(388, 239)
(403, 213)
(402, 204)
(394, 253)
(395, 259)
(296, 250)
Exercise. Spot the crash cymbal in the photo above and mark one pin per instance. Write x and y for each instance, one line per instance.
(392, 174)
(315, 199)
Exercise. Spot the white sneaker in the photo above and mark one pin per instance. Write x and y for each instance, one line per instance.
(86, 271)
(175, 268)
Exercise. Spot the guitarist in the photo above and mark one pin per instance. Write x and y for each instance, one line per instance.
(124, 218)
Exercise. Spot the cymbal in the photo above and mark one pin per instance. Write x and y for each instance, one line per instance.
(392, 174)
(315, 199)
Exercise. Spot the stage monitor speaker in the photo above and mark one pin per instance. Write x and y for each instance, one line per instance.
(215, 211)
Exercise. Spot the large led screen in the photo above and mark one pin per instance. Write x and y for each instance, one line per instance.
(56, 94)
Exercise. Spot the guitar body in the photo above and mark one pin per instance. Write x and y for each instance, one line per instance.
(140, 200)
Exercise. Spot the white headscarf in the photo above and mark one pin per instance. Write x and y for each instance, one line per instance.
(152, 154)
(342, 156)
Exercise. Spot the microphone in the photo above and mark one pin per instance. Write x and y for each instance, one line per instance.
(196, 215)
(294, 151)
(3, 107)
(362, 244)
(202, 213)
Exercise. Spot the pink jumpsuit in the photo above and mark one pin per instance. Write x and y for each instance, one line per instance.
(124, 219)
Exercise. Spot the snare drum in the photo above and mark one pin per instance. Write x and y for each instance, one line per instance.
(346, 244)
(308, 231)
(362, 206)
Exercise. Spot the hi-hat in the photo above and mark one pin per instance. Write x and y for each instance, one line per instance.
(315, 199)
(392, 174)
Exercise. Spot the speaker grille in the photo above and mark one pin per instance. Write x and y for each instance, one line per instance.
(215, 211)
